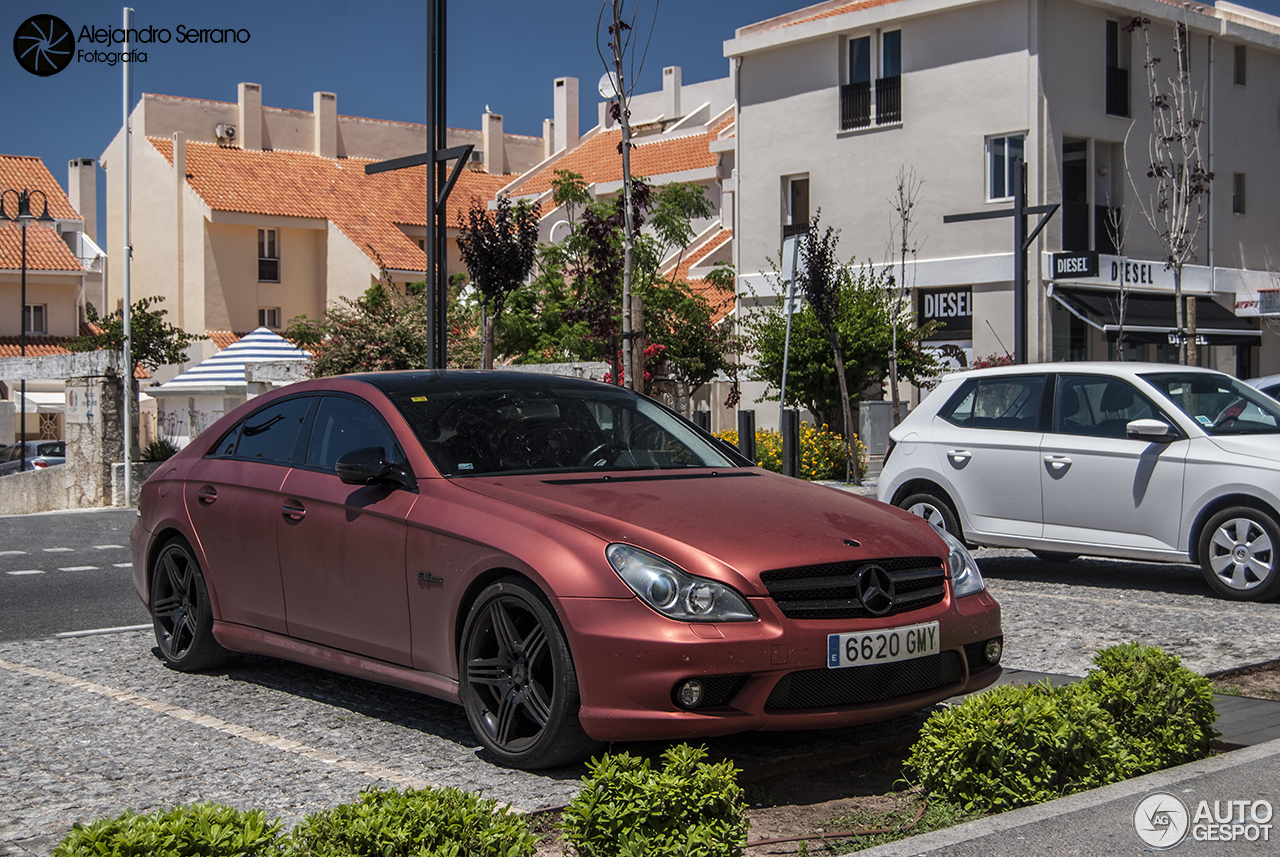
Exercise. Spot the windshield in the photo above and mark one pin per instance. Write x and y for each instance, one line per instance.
(489, 430)
(1220, 404)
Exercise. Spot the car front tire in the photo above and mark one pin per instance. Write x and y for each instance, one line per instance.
(517, 681)
(934, 509)
(1238, 554)
(181, 611)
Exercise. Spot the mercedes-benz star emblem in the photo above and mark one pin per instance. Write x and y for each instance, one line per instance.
(875, 589)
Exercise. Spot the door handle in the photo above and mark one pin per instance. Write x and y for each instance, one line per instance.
(959, 456)
(206, 495)
(293, 510)
(1057, 462)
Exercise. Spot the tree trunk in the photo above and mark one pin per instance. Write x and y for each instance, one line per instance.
(1178, 316)
(851, 470)
(486, 334)
(1193, 351)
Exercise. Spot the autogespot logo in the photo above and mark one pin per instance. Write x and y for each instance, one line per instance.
(1161, 820)
(44, 45)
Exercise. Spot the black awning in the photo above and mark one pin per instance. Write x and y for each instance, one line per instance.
(1151, 317)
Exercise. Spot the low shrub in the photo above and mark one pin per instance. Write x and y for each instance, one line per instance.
(1014, 746)
(822, 451)
(413, 823)
(206, 829)
(1162, 711)
(689, 808)
(1136, 711)
(160, 449)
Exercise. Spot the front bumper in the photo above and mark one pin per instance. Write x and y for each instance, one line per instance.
(771, 673)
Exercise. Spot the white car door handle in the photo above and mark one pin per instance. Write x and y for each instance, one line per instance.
(959, 456)
(1057, 462)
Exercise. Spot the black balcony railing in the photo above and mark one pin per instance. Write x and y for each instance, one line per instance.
(855, 105)
(1117, 91)
(889, 100)
(1107, 228)
(1075, 226)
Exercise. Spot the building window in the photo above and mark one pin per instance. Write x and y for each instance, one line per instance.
(797, 212)
(35, 318)
(1237, 193)
(1239, 65)
(268, 257)
(269, 316)
(1117, 71)
(855, 96)
(1004, 154)
(889, 85)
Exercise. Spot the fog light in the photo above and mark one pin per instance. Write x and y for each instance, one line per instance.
(993, 651)
(690, 693)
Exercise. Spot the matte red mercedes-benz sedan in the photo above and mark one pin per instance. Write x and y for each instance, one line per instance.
(570, 561)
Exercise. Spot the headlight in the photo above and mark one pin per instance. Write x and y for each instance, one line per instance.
(965, 577)
(674, 593)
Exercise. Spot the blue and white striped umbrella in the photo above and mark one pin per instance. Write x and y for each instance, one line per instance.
(226, 368)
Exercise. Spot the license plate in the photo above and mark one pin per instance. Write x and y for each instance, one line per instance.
(882, 647)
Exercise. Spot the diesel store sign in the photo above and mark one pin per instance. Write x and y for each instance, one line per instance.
(952, 307)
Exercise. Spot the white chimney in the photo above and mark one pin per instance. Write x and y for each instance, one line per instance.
(671, 92)
(82, 191)
(324, 106)
(548, 138)
(566, 113)
(249, 130)
(493, 143)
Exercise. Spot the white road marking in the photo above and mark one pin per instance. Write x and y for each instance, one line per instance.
(123, 564)
(105, 547)
(93, 632)
(58, 550)
(185, 714)
(13, 553)
(27, 571)
(79, 568)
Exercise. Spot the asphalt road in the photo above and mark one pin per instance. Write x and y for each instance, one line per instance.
(64, 572)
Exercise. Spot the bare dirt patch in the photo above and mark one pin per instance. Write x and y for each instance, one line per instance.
(1259, 681)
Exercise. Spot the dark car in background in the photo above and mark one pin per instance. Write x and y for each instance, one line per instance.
(572, 562)
(40, 454)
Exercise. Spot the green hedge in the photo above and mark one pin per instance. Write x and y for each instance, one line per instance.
(1137, 710)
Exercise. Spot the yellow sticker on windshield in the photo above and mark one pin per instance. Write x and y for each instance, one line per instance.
(418, 399)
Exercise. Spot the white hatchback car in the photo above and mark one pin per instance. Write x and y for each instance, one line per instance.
(1131, 460)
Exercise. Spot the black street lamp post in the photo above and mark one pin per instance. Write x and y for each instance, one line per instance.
(23, 217)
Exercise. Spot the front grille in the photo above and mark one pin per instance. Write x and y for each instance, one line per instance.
(826, 688)
(830, 591)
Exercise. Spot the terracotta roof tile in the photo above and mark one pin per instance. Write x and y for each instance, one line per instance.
(46, 251)
(722, 300)
(366, 208)
(22, 171)
(223, 338)
(598, 160)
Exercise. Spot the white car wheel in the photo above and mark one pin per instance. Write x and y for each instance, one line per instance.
(1238, 554)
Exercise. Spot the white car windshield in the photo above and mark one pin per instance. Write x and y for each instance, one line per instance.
(1220, 404)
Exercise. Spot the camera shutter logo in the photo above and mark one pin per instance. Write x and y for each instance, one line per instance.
(44, 45)
(1161, 820)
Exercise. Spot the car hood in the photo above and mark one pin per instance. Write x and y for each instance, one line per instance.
(729, 526)
(1265, 446)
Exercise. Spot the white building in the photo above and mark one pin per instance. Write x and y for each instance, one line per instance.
(833, 99)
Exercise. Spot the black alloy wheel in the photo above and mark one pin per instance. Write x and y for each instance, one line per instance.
(934, 509)
(181, 612)
(517, 680)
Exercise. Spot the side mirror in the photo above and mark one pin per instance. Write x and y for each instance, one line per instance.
(369, 466)
(1155, 431)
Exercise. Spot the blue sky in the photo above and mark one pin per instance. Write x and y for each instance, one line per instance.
(502, 53)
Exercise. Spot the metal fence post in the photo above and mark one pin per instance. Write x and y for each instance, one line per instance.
(702, 419)
(747, 434)
(790, 442)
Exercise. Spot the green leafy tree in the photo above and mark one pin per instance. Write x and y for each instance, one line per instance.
(862, 308)
(383, 330)
(499, 249)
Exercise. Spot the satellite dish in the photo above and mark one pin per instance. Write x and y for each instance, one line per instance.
(608, 86)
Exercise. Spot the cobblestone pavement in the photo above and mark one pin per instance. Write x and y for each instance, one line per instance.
(92, 726)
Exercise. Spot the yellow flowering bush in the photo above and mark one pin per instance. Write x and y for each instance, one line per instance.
(822, 451)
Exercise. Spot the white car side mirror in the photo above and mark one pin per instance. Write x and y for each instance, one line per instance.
(1153, 430)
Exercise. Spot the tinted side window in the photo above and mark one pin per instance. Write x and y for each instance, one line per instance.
(271, 433)
(960, 409)
(343, 425)
(226, 447)
(1008, 404)
(1098, 407)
